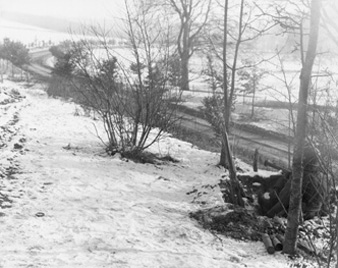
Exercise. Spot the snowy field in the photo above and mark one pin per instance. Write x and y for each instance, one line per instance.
(28, 34)
(64, 203)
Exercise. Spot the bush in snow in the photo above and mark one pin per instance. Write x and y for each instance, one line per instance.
(135, 101)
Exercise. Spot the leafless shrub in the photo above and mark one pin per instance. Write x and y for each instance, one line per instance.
(136, 103)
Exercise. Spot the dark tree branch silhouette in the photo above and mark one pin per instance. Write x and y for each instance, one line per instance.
(301, 127)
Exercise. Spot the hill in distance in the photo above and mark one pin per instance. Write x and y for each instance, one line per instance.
(50, 23)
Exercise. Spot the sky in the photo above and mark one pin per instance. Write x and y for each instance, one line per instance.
(52, 19)
(69, 9)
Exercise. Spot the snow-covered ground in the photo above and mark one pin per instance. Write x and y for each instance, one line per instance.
(64, 203)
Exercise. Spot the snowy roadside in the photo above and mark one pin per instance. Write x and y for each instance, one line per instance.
(69, 205)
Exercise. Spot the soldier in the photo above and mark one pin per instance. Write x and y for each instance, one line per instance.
(315, 190)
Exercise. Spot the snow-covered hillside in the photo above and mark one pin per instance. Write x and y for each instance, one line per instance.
(64, 203)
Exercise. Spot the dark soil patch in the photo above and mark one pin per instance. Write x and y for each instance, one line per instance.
(144, 157)
(237, 223)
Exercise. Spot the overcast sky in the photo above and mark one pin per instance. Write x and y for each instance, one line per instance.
(70, 9)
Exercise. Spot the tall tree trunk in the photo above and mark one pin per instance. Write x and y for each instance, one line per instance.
(253, 99)
(226, 154)
(223, 157)
(185, 71)
(229, 94)
(12, 70)
(337, 237)
(185, 54)
(297, 164)
(235, 187)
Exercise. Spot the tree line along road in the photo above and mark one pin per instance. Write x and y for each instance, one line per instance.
(244, 142)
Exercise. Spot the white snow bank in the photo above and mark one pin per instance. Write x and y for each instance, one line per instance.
(75, 207)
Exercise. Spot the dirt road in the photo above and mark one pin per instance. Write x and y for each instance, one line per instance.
(37, 66)
(243, 141)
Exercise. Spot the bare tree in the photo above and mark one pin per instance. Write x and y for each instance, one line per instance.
(301, 127)
(241, 25)
(131, 95)
(226, 154)
(192, 17)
